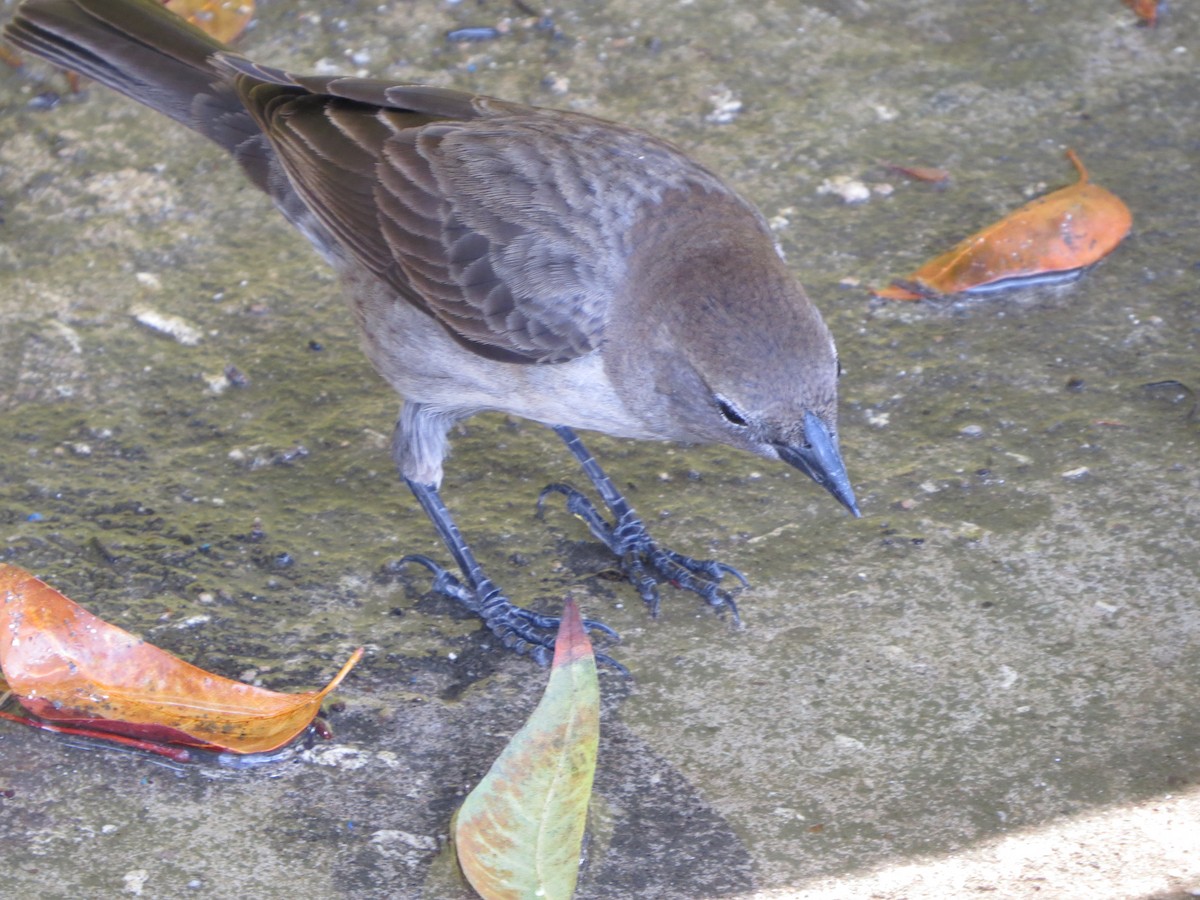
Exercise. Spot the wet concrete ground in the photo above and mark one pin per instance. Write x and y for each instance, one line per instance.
(988, 683)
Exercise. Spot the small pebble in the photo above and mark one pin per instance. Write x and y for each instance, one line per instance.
(851, 190)
(556, 84)
(171, 326)
(472, 34)
(726, 106)
(45, 100)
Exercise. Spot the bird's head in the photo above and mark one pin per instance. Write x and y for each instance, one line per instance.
(777, 395)
(727, 348)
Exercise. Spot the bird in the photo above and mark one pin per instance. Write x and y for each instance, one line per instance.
(546, 264)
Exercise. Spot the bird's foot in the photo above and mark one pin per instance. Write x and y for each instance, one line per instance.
(644, 562)
(522, 630)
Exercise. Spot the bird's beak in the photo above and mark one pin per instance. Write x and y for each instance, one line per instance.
(821, 462)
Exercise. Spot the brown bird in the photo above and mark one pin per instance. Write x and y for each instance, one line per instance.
(497, 256)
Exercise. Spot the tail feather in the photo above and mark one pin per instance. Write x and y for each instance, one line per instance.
(142, 50)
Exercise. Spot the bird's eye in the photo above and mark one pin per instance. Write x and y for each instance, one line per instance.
(730, 412)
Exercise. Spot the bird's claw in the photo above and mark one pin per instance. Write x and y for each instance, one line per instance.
(644, 562)
(527, 632)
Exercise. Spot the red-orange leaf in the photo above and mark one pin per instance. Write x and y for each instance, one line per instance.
(223, 19)
(1053, 238)
(1146, 10)
(74, 669)
(929, 174)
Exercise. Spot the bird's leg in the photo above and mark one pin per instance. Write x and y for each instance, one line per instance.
(519, 629)
(645, 563)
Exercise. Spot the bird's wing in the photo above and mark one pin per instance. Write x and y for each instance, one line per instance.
(488, 215)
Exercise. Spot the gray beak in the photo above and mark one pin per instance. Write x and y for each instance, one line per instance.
(821, 462)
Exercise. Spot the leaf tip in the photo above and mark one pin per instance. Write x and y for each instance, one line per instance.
(572, 642)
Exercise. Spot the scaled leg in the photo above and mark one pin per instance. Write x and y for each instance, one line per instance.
(519, 629)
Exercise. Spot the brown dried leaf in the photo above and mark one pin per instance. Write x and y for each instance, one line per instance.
(72, 668)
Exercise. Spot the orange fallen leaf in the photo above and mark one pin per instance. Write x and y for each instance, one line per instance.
(1050, 239)
(223, 19)
(921, 173)
(77, 671)
(1146, 10)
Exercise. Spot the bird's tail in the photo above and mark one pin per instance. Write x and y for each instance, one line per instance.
(142, 50)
